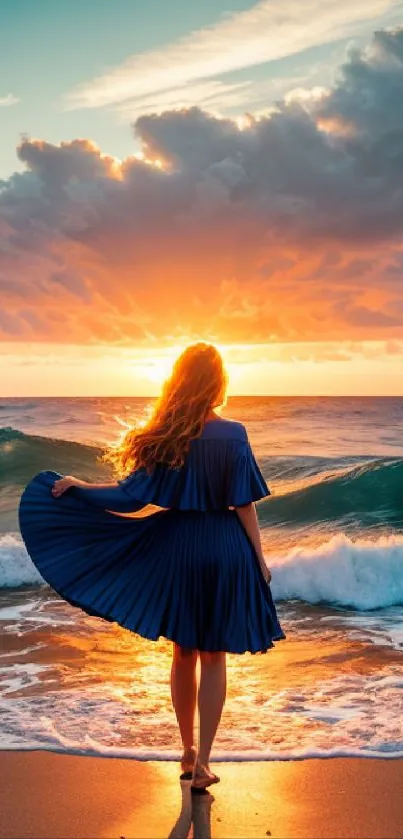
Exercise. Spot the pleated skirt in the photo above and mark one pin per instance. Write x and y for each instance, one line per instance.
(191, 577)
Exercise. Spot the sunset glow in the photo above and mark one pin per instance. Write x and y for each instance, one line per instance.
(276, 369)
(262, 215)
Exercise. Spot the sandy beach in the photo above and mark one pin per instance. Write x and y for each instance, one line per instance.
(59, 796)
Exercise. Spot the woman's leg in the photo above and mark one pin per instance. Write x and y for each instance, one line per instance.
(212, 692)
(184, 693)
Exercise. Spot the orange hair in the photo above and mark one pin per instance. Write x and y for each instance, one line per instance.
(197, 384)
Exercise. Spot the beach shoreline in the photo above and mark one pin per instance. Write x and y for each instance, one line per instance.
(46, 795)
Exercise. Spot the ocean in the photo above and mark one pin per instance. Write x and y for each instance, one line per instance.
(333, 537)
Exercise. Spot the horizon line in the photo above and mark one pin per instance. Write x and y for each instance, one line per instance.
(233, 396)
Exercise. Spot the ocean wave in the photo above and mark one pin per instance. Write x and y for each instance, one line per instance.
(24, 455)
(306, 490)
(362, 575)
(16, 567)
(365, 494)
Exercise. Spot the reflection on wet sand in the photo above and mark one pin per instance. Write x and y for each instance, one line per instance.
(196, 810)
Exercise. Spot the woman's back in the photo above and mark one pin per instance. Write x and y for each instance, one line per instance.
(219, 471)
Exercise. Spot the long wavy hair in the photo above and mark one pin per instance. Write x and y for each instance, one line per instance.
(197, 384)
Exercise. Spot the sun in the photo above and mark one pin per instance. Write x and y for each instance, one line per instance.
(157, 367)
(158, 370)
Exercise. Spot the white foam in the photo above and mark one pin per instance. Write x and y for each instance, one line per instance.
(362, 574)
(16, 676)
(347, 715)
(16, 567)
(96, 750)
(382, 628)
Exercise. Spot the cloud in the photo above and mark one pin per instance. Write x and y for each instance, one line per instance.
(288, 230)
(364, 102)
(10, 99)
(263, 33)
(210, 93)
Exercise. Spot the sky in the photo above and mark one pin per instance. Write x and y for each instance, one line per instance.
(227, 171)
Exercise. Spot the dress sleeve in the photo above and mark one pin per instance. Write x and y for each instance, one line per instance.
(245, 482)
(218, 473)
(111, 498)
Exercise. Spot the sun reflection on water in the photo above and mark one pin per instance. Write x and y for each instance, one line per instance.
(72, 679)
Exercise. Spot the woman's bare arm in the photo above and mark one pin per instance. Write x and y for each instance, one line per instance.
(249, 520)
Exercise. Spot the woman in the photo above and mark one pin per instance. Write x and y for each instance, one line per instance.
(192, 572)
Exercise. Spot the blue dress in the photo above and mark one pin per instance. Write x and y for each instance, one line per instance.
(188, 573)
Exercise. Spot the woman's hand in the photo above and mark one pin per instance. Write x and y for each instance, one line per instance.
(265, 570)
(249, 520)
(62, 484)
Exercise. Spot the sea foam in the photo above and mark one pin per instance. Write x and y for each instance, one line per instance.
(16, 568)
(360, 574)
(98, 750)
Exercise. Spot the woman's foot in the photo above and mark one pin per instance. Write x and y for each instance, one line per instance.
(188, 762)
(203, 777)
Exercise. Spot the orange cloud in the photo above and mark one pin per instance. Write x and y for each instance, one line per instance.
(277, 232)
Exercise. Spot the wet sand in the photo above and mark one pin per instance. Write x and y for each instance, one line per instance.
(60, 796)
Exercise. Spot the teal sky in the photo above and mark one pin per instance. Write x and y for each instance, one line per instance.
(50, 47)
